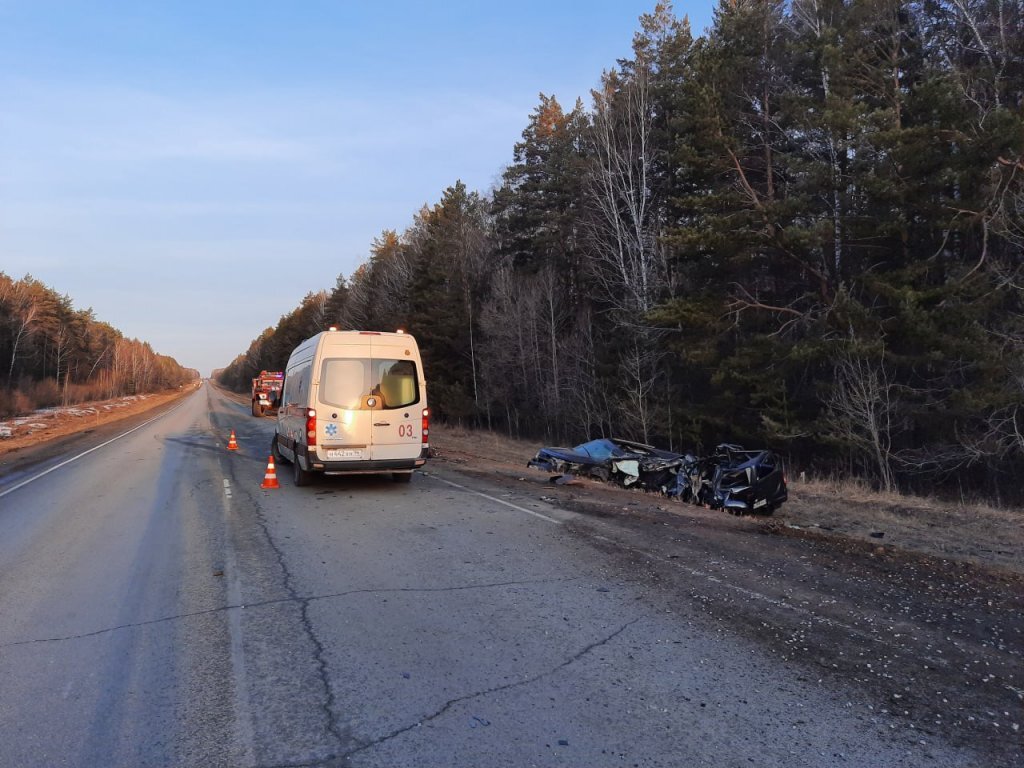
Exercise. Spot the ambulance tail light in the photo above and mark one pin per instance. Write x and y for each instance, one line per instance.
(310, 426)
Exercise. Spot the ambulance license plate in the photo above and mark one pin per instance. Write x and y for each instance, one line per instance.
(344, 453)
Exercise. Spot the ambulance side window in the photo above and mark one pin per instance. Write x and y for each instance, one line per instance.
(296, 385)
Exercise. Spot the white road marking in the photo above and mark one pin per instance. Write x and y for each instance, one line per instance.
(499, 501)
(45, 472)
(244, 729)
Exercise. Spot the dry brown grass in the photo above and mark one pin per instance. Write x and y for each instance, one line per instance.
(901, 505)
(488, 446)
(975, 532)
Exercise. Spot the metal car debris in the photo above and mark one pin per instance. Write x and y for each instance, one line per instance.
(734, 479)
(623, 461)
(731, 478)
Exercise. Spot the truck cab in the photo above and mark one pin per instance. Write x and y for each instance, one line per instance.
(266, 391)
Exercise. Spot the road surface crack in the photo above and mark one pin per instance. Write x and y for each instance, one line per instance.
(496, 689)
(303, 601)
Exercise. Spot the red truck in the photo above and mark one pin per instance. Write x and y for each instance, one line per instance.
(266, 391)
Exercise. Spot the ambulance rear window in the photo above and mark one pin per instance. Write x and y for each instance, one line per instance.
(343, 382)
(395, 380)
(348, 382)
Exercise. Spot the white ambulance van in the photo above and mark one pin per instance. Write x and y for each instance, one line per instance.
(354, 402)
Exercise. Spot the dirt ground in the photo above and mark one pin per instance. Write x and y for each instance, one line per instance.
(987, 537)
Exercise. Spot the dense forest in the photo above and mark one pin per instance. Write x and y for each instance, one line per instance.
(53, 354)
(803, 229)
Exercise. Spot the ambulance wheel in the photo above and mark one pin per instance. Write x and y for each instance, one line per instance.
(401, 477)
(302, 477)
(276, 451)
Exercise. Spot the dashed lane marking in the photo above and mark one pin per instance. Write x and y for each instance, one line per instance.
(498, 501)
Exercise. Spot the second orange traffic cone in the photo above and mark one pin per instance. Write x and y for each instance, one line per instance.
(270, 478)
(232, 444)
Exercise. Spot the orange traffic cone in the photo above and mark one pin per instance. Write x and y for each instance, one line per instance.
(270, 478)
(232, 444)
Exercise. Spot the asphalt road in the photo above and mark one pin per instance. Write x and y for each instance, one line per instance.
(158, 608)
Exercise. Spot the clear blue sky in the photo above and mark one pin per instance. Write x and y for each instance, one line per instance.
(190, 170)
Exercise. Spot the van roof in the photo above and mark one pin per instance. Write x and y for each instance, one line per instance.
(365, 337)
(339, 338)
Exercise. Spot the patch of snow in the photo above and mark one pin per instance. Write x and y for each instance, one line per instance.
(79, 411)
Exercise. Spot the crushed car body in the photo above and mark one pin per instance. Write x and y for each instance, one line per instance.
(623, 461)
(736, 480)
(731, 478)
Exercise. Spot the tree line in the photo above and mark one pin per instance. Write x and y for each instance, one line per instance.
(53, 354)
(803, 229)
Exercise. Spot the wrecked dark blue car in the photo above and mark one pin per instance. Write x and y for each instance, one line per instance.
(731, 478)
